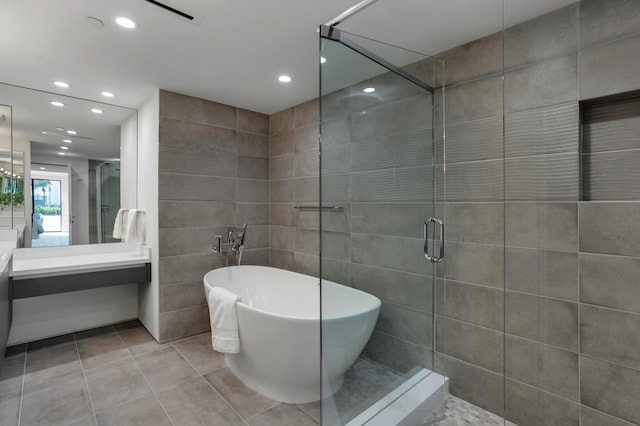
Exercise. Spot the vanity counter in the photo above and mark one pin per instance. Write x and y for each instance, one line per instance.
(43, 271)
(52, 261)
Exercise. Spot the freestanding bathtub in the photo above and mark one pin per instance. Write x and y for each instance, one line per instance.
(279, 328)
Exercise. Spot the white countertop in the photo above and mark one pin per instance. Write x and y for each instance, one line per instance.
(49, 261)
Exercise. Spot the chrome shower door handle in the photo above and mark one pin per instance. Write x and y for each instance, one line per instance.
(440, 222)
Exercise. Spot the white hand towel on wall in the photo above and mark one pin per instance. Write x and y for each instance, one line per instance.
(118, 229)
(224, 320)
(131, 225)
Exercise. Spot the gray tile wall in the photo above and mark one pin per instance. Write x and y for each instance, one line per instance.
(293, 181)
(527, 259)
(214, 173)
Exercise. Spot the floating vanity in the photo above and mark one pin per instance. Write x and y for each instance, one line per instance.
(43, 271)
(59, 290)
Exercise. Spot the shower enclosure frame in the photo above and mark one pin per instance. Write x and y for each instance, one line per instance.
(407, 402)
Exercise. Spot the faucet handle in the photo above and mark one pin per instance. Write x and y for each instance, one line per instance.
(217, 248)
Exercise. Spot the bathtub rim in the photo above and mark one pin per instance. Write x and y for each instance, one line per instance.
(376, 305)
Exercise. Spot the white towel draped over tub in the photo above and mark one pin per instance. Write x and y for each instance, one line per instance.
(224, 320)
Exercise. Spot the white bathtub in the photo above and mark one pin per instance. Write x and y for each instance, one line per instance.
(279, 326)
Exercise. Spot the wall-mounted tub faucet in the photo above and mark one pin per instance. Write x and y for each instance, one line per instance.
(235, 242)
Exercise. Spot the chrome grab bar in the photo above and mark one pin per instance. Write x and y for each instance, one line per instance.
(440, 222)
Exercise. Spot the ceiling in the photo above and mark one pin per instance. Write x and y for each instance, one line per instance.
(232, 52)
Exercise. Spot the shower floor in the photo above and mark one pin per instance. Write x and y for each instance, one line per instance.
(367, 382)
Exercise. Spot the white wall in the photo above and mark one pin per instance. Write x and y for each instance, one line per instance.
(40, 317)
(148, 137)
(129, 163)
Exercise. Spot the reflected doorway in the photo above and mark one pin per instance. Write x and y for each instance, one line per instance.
(50, 201)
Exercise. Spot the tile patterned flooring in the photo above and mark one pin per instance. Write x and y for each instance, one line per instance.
(119, 375)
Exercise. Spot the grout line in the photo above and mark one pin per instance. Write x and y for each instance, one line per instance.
(84, 375)
(24, 373)
(144, 377)
(202, 375)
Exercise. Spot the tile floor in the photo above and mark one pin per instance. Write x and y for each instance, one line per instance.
(119, 375)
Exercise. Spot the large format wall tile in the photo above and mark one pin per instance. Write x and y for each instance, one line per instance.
(541, 272)
(475, 263)
(472, 140)
(543, 37)
(539, 131)
(552, 177)
(399, 253)
(188, 108)
(474, 100)
(194, 187)
(611, 176)
(403, 288)
(605, 20)
(213, 173)
(474, 344)
(552, 226)
(397, 354)
(473, 303)
(188, 135)
(542, 319)
(548, 368)
(472, 60)
(549, 82)
(475, 222)
(198, 162)
(611, 126)
(405, 323)
(591, 417)
(610, 335)
(610, 228)
(610, 281)
(475, 181)
(610, 388)
(528, 406)
(393, 118)
(477, 385)
(183, 214)
(609, 69)
(399, 219)
(252, 122)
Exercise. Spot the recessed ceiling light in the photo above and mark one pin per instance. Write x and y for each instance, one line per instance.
(57, 103)
(67, 140)
(96, 111)
(60, 129)
(43, 132)
(323, 59)
(125, 22)
(369, 90)
(72, 132)
(62, 84)
(61, 153)
(64, 147)
(284, 79)
(107, 94)
(43, 168)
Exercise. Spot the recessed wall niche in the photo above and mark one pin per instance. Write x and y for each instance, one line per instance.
(611, 148)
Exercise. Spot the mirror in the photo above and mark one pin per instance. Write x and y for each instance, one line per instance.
(73, 166)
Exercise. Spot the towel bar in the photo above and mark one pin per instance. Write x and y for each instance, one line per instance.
(323, 208)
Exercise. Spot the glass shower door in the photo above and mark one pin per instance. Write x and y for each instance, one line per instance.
(378, 186)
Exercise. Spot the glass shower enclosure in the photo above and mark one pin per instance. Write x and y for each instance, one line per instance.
(381, 174)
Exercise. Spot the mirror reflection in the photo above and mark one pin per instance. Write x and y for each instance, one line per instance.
(72, 167)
